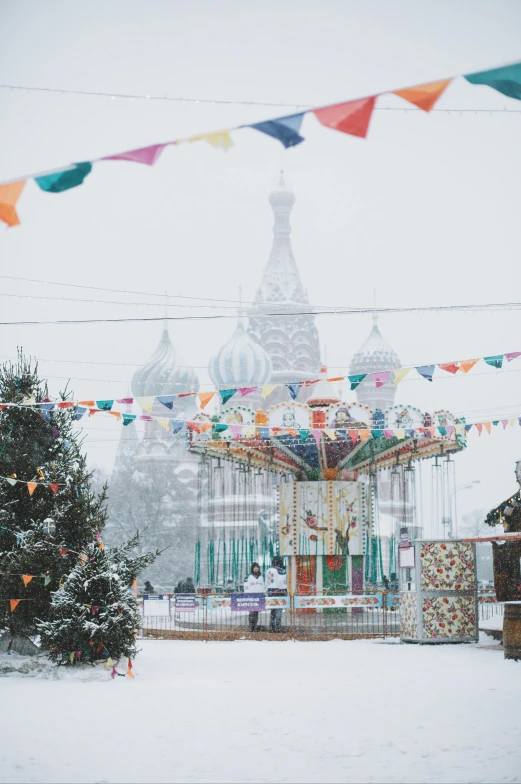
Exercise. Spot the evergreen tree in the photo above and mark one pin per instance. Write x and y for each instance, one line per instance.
(41, 534)
(94, 615)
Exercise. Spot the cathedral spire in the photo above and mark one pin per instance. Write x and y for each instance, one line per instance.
(290, 341)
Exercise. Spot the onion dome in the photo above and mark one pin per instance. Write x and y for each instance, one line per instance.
(159, 376)
(375, 354)
(324, 393)
(241, 362)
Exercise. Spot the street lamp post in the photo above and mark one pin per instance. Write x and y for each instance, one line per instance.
(466, 486)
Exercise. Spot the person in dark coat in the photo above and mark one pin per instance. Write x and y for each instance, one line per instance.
(189, 586)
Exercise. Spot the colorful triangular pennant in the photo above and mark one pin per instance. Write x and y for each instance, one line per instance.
(352, 117)
(424, 96)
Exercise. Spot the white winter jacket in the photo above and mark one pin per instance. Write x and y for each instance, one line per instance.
(254, 584)
(276, 579)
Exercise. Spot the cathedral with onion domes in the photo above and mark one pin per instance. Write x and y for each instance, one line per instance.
(159, 486)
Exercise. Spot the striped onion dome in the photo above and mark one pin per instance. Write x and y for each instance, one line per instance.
(241, 362)
(160, 376)
(375, 354)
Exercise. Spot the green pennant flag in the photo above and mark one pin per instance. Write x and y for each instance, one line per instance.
(495, 361)
(506, 80)
(356, 380)
(128, 418)
(226, 394)
(377, 433)
(304, 434)
(104, 405)
(64, 180)
(47, 580)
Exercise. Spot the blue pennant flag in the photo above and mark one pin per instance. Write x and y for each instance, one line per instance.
(409, 432)
(294, 389)
(467, 427)
(45, 410)
(285, 129)
(167, 400)
(426, 371)
(263, 432)
(78, 412)
(128, 418)
(177, 425)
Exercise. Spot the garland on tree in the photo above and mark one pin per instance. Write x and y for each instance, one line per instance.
(94, 615)
(40, 533)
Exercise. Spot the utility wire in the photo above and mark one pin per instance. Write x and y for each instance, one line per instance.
(285, 314)
(224, 102)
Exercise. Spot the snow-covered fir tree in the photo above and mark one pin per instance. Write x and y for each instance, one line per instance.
(94, 614)
(43, 526)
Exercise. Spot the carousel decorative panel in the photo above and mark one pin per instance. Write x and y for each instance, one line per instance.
(449, 617)
(320, 518)
(448, 566)
(408, 615)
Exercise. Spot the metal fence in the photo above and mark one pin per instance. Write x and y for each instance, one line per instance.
(302, 618)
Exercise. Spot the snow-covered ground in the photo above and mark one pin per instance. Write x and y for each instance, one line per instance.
(364, 711)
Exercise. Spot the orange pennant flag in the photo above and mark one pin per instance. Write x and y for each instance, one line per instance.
(13, 603)
(130, 673)
(115, 414)
(27, 579)
(204, 398)
(487, 426)
(424, 96)
(87, 403)
(205, 426)
(364, 434)
(31, 486)
(467, 364)
(9, 195)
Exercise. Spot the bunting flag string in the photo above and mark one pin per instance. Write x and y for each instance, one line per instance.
(350, 117)
(147, 404)
(32, 485)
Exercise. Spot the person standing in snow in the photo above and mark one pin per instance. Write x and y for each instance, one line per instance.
(277, 585)
(189, 586)
(254, 583)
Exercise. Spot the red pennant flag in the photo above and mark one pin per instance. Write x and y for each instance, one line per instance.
(352, 117)
(450, 367)
(479, 427)
(54, 487)
(353, 434)
(62, 551)
(424, 96)
(13, 603)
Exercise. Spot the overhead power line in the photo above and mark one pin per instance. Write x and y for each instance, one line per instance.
(287, 313)
(226, 102)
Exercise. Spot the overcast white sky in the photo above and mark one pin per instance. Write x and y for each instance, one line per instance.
(426, 210)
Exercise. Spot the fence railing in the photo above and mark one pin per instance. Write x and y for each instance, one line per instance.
(347, 616)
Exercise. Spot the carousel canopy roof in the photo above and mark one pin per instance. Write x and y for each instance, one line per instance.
(241, 362)
(375, 354)
(160, 376)
(330, 441)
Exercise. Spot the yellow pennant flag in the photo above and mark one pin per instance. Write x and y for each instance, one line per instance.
(31, 486)
(145, 403)
(27, 579)
(204, 398)
(400, 433)
(108, 664)
(400, 374)
(331, 434)
(268, 390)
(220, 140)
(459, 428)
(249, 432)
(164, 423)
(512, 422)
(71, 656)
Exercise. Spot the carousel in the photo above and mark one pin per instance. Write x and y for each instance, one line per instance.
(304, 476)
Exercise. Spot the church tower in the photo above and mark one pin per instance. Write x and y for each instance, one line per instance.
(291, 341)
